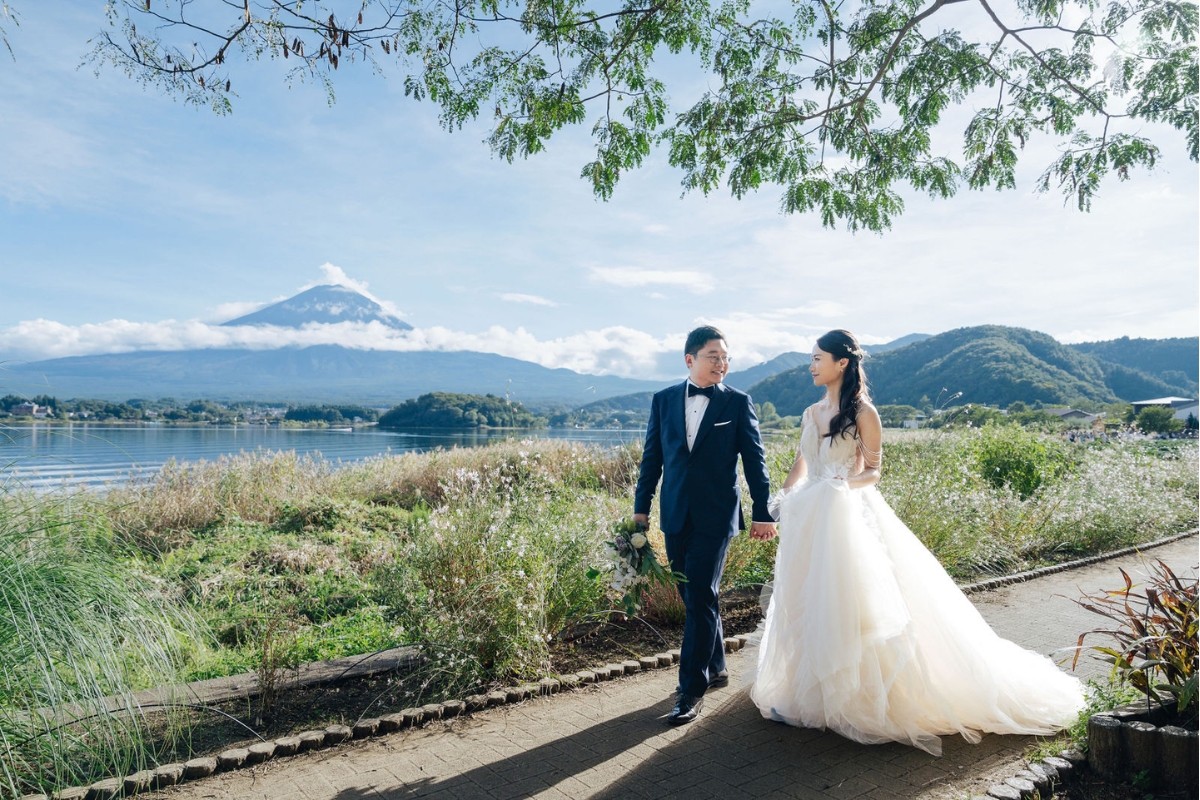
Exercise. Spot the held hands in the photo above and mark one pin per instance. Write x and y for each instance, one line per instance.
(763, 531)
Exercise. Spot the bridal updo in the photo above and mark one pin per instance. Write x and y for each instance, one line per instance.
(842, 344)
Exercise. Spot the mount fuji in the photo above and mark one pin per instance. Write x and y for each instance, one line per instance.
(314, 373)
(326, 304)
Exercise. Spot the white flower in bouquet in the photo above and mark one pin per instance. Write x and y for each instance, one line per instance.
(632, 566)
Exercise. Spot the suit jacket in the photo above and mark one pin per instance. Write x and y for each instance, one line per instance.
(703, 482)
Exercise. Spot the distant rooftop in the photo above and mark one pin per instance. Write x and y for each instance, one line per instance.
(1170, 402)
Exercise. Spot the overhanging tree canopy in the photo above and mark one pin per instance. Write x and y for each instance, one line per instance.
(835, 103)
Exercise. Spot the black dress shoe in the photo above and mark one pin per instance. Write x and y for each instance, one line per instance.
(687, 708)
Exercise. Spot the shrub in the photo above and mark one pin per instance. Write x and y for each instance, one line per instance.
(1008, 457)
(497, 572)
(1158, 419)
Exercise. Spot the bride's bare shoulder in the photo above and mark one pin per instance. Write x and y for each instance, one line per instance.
(867, 408)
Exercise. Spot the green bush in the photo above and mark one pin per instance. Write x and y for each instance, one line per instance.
(1009, 457)
(1158, 419)
(491, 578)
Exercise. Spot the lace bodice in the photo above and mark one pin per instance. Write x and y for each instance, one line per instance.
(826, 457)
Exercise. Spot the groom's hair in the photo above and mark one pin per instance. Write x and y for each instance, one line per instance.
(700, 337)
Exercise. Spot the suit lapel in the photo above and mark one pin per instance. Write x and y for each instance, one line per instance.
(678, 416)
(715, 406)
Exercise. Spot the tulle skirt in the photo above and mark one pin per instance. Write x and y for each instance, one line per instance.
(868, 636)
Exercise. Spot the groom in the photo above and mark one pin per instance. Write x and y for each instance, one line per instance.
(697, 431)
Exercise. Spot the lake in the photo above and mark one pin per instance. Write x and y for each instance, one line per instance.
(46, 456)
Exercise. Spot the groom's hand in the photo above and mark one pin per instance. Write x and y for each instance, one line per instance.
(763, 531)
(643, 519)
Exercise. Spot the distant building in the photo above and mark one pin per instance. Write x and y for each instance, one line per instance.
(1071, 414)
(1183, 412)
(28, 410)
(1169, 402)
(915, 422)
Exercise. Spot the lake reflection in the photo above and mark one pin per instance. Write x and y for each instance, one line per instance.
(44, 456)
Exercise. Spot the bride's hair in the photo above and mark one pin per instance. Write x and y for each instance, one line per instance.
(842, 344)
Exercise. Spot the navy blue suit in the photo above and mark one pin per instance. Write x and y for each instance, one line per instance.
(700, 508)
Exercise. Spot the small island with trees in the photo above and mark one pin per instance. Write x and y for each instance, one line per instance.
(450, 410)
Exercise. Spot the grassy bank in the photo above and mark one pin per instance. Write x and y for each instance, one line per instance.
(480, 555)
(490, 542)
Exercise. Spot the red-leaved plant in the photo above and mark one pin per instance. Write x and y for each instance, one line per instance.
(1155, 647)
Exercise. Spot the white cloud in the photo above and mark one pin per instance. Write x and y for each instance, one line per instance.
(630, 277)
(655, 228)
(532, 299)
(615, 350)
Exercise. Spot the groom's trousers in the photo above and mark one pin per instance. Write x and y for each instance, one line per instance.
(700, 556)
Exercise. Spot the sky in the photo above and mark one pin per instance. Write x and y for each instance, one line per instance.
(132, 221)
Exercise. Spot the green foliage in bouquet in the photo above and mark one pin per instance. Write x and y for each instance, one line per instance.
(1155, 649)
(634, 566)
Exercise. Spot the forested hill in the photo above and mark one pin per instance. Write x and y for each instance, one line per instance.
(1175, 362)
(989, 364)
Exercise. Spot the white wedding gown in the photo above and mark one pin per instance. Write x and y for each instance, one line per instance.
(867, 635)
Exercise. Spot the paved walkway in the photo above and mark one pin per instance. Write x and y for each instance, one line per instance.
(610, 740)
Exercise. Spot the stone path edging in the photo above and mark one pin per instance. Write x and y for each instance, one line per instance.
(1041, 572)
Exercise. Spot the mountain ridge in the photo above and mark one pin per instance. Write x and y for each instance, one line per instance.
(319, 373)
(746, 378)
(990, 364)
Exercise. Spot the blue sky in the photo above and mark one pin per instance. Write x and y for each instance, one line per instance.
(129, 220)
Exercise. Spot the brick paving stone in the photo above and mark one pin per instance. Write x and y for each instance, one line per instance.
(609, 739)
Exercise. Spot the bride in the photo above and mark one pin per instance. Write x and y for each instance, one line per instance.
(866, 634)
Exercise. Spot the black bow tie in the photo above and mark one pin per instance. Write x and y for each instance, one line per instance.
(707, 391)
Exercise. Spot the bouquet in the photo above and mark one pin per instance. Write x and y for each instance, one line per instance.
(633, 565)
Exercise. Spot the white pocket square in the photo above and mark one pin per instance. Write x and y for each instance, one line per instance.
(719, 424)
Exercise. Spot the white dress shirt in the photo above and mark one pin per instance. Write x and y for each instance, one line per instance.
(694, 410)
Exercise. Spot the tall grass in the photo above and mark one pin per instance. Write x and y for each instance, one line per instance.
(1087, 498)
(80, 632)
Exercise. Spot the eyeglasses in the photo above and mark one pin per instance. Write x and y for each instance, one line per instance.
(717, 359)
